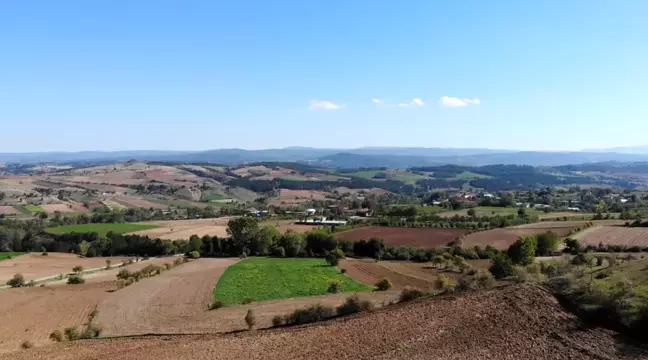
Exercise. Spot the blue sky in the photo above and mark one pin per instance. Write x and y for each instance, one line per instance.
(122, 75)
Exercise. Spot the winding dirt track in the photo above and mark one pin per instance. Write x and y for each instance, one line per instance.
(515, 322)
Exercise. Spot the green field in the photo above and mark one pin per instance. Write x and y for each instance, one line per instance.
(272, 278)
(101, 229)
(28, 209)
(6, 255)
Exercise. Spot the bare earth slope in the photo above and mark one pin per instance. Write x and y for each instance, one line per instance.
(516, 322)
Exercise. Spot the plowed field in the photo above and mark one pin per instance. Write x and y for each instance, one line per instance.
(183, 229)
(35, 266)
(503, 238)
(165, 303)
(400, 236)
(615, 235)
(515, 322)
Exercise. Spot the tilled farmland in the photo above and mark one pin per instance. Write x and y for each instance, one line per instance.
(465, 326)
(402, 236)
(615, 235)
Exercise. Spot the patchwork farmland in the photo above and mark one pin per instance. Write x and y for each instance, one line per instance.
(615, 235)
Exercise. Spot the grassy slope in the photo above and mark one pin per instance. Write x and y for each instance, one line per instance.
(102, 229)
(5, 255)
(469, 175)
(212, 197)
(636, 272)
(272, 278)
(403, 176)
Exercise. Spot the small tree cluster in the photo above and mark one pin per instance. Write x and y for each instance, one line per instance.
(75, 279)
(383, 285)
(17, 281)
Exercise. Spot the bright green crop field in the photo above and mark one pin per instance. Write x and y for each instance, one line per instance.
(261, 279)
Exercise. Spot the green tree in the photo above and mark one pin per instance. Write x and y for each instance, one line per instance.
(333, 258)
(292, 242)
(471, 212)
(522, 252)
(195, 243)
(521, 212)
(261, 244)
(242, 230)
(546, 243)
(501, 267)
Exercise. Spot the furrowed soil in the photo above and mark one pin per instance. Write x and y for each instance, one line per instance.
(183, 229)
(502, 238)
(401, 236)
(513, 322)
(165, 303)
(402, 273)
(614, 235)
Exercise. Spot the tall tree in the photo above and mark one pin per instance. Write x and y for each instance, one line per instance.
(242, 230)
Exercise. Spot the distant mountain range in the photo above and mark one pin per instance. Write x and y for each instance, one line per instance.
(392, 157)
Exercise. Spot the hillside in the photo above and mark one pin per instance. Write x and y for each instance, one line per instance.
(516, 322)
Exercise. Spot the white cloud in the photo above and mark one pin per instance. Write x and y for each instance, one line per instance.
(323, 105)
(417, 101)
(450, 101)
(414, 102)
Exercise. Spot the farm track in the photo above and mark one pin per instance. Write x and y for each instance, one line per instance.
(514, 322)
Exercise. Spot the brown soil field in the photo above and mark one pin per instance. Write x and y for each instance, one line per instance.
(370, 272)
(567, 224)
(8, 210)
(63, 208)
(34, 266)
(183, 229)
(164, 303)
(306, 195)
(513, 322)
(31, 314)
(415, 237)
(402, 273)
(503, 238)
(614, 235)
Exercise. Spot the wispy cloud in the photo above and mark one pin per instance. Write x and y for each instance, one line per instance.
(414, 102)
(449, 101)
(323, 105)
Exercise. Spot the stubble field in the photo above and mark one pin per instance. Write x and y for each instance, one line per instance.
(400, 236)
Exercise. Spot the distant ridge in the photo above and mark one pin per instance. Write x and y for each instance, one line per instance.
(393, 157)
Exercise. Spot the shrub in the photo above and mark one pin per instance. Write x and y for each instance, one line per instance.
(216, 304)
(44, 253)
(501, 267)
(334, 286)
(383, 285)
(250, 320)
(243, 255)
(583, 259)
(168, 266)
(123, 274)
(56, 335)
(343, 271)
(277, 320)
(16, 281)
(520, 275)
(333, 258)
(247, 301)
(523, 251)
(27, 345)
(32, 283)
(409, 294)
(310, 314)
(194, 254)
(108, 263)
(71, 334)
(77, 269)
(75, 279)
(353, 305)
(279, 252)
(442, 282)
